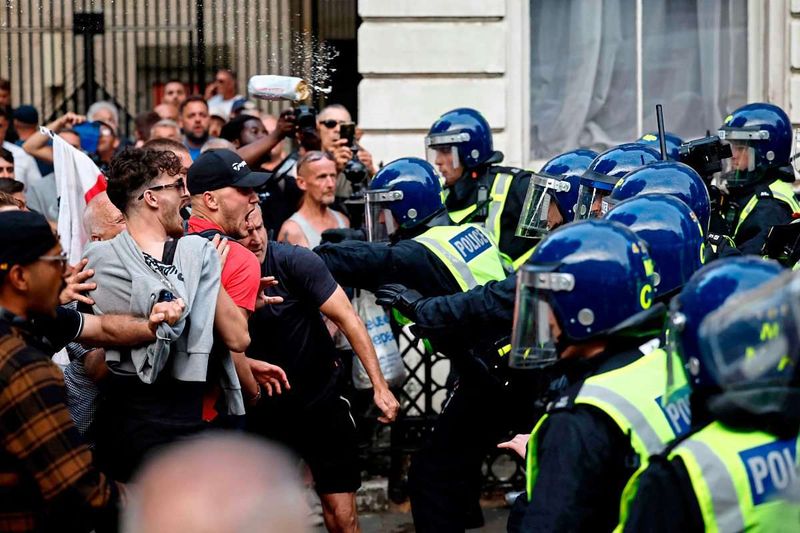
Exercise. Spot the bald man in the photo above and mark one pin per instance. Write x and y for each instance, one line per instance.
(225, 483)
(101, 219)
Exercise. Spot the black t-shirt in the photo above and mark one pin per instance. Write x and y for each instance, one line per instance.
(292, 334)
(59, 331)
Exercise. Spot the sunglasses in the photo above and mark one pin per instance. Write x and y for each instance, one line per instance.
(178, 184)
(331, 123)
(61, 258)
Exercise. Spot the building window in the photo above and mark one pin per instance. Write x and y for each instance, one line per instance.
(599, 68)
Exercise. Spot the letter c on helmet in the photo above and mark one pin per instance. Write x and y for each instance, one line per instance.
(646, 296)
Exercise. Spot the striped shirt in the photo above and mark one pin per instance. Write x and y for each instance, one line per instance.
(46, 476)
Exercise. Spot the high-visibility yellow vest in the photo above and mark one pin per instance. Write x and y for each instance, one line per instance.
(743, 480)
(633, 396)
(468, 252)
(498, 194)
(780, 191)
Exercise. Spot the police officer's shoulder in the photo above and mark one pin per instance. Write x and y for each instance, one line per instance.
(514, 171)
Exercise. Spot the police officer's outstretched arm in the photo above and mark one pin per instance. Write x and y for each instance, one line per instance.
(487, 305)
(358, 264)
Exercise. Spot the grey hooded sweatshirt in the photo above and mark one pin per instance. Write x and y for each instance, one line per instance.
(127, 284)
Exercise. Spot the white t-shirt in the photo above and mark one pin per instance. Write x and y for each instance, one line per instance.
(218, 106)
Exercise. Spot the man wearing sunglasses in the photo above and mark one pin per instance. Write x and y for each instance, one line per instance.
(50, 481)
(221, 93)
(329, 123)
(157, 393)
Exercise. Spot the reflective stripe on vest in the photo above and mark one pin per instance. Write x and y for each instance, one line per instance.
(467, 251)
(633, 397)
(499, 195)
(459, 215)
(780, 191)
(521, 260)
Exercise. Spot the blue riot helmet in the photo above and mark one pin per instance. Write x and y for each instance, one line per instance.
(672, 233)
(567, 168)
(706, 291)
(555, 184)
(404, 194)
(760, 136)
(604, 172)
(584, 280)
(665, 177)
(749, 349)
(672, 141)
(465, 135)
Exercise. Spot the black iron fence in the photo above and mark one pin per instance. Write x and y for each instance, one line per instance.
(387, 449)
(62, 55)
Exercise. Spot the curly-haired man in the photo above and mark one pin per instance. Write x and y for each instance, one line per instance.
(155, 394)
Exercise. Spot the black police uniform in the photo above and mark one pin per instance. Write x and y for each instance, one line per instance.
(445, 476)
(768, 212)
(584, 458)
(464, 193)
(484, 312)
(491, 402)
(370, 265)
(665, 499)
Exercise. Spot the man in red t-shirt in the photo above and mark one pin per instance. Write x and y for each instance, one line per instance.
(221, 186)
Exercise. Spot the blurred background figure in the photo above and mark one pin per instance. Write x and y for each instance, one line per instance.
(244, 485)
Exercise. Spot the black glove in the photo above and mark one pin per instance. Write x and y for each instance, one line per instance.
(400, 297)
(343, 234)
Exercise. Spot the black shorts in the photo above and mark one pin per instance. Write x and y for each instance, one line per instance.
(323, 435)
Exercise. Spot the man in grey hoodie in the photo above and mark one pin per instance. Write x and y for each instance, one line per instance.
(159, 392)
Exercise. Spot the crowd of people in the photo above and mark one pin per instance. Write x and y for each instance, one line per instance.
(612, 310)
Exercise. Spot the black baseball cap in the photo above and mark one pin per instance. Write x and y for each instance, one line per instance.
(24, 237)
(26, 114)
(217, 169)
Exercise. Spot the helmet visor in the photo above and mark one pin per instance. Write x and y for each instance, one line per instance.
(590, 200)
(379, 221)
(753, 338)
(533, 344)
(607, 204)
(535, 220)
(737, 170)
(441, 149)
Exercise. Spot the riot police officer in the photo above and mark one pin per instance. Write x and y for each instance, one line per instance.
(431, 255)
(586, 304)
(758, 179)
(741, 363)
(478, 190)
(412, 239)
(605, 171)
